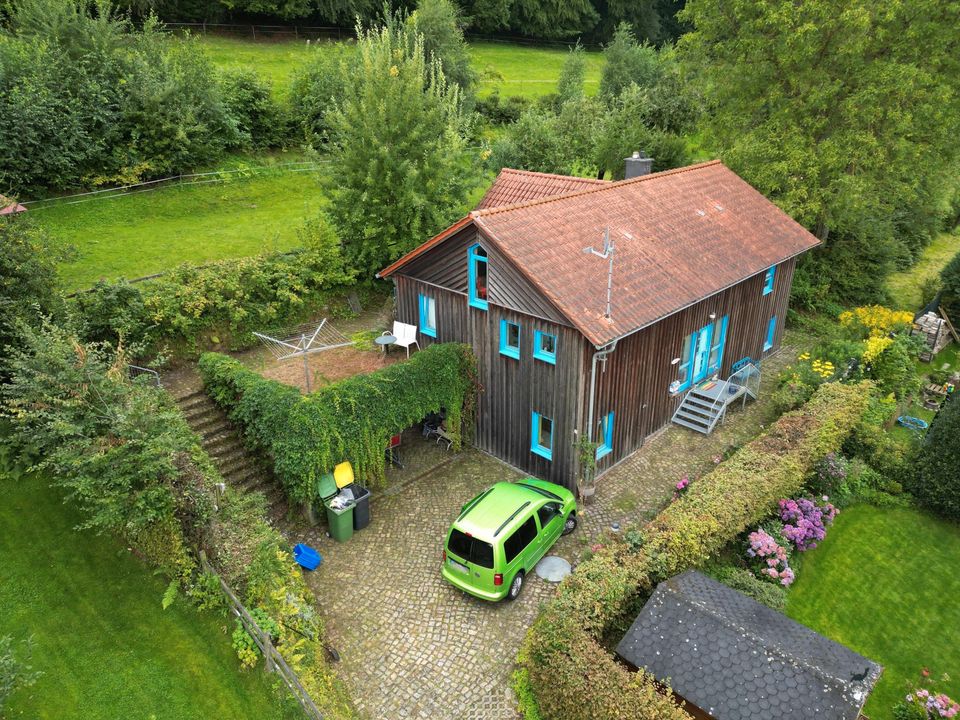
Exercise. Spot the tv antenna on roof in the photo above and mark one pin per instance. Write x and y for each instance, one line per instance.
(607, 254)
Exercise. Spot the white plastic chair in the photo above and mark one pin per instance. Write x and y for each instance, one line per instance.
(406, 335)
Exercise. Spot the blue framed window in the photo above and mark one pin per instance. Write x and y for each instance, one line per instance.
(768, 280)
(684, 378)
(606, 436)
(541, 435)
(477, 271)
(771, 329)
(510, 339)
(428, 315)
(545, 347)
(719, 341)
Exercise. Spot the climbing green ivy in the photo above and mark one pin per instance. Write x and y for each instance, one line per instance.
(306, 435)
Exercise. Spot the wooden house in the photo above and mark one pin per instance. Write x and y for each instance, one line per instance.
(571, 345)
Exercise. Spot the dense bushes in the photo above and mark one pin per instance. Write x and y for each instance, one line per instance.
(642, 106)
(217, 305)
(936, 479)
(349, 420)
(86, 100)
(573, 677)
(950, 282)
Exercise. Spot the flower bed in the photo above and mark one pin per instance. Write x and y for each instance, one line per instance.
(572, 676)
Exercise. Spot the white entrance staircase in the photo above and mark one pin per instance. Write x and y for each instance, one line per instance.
(705, 405)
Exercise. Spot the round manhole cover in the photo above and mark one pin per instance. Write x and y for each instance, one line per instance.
(553, 568)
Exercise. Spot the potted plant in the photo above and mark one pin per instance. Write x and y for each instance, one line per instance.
(588, 469)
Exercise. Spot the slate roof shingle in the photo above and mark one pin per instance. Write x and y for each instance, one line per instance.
(740, 660)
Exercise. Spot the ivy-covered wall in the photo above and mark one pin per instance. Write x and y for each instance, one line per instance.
(569, 671)
(307, 435)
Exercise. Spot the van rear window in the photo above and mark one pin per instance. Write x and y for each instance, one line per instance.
(470, 549)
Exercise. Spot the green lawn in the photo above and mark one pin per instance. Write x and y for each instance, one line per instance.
(885, 583)
(106, 648)
(904, 286)
(273, 60)
(527, 71)
(512, 69)
(145, 233)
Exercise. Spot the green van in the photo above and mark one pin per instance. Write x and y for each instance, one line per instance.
(502, 533)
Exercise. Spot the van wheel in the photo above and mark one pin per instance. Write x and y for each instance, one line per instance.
(516, 585)
(570, 524)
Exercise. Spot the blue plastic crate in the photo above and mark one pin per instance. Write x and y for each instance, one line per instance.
(306, 556)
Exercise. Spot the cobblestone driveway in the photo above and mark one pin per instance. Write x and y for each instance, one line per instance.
(414, 647)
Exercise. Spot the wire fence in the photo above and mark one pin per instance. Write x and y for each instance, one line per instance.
(273, 659)
(330, 32)
(183, 179)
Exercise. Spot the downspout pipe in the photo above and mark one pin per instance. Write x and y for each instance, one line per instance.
(601, 354)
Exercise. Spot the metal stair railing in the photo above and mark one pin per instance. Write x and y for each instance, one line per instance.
(747, 377)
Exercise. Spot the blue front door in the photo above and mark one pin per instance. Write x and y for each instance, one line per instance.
(701, 353)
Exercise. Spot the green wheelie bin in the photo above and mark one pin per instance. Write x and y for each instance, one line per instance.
(339, 520)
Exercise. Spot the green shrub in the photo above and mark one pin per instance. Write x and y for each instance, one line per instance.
(895, 368)
(502, 112)
(318, 86)
(767, 593)
(15, 672)
(260, 120)
(88, 99)
(936, 477)
(306, 436)
(573, 677)
(950, 282)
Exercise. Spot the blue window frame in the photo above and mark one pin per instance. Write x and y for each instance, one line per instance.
(477, 271)
(541, 436)
(683, 372)
(510, 339)
(771, 329)
(606, 436)
(768, 280)
(719, 341)
(428, 315)
(545, 347)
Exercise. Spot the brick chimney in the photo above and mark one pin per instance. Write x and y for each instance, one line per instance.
(637, 164)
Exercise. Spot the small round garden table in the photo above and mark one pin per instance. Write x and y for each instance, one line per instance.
(385, 341)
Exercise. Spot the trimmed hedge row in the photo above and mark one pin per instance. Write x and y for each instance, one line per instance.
(349, 420)
(572, 675)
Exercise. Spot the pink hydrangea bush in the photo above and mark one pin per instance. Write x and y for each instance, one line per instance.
(771, 556)
(928, 705)
(805, 522)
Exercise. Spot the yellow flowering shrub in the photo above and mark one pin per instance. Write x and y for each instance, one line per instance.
(875, 347)
(875, 320)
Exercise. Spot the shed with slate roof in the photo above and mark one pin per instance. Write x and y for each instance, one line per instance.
(700, 283)
(730, 658)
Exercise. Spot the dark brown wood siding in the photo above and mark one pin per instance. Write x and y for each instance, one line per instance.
(446, 265)
(511, 389)
(635, 383)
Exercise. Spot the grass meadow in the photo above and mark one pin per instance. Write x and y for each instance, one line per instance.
(105, 646)
(508, 68)
(885, 584)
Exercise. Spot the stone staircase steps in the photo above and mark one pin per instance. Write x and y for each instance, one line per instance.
(221, 439)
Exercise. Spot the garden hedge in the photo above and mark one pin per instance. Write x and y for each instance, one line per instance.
(571, 674)
(307, 435)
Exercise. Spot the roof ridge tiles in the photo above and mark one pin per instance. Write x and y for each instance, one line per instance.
(536, 173)
(599, 188)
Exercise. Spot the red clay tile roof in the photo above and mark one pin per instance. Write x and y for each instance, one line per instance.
(513, 186)
(693, 232)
